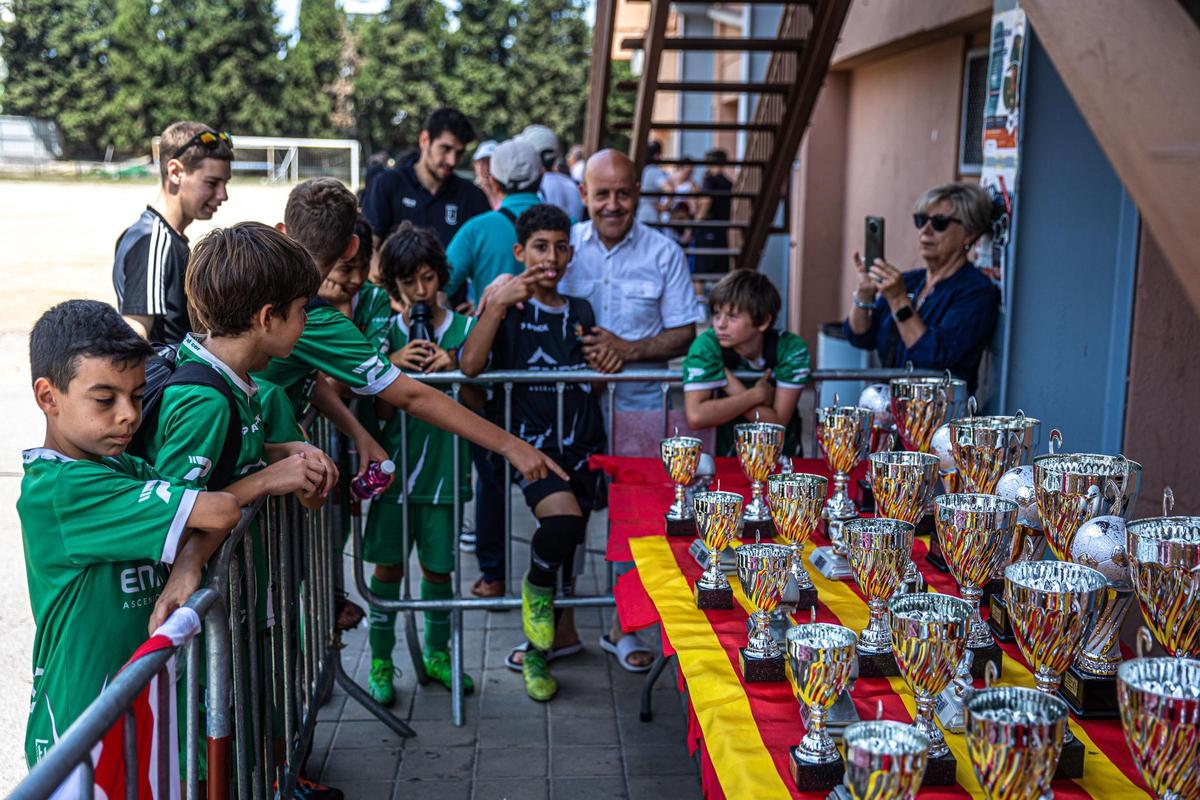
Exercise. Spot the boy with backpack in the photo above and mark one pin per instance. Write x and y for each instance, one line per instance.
(745, 306)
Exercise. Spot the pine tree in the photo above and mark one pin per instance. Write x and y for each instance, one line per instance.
(55, 52)
(547, 73)
(312, 69)
(478, 78)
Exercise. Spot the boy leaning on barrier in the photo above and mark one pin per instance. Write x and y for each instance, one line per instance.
(98, 524)
(413, 266)
(347, 289)
(745, 307)
(528, 325)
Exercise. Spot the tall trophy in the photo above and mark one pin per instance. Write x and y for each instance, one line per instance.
(929, 634)
(971, 528)
(1053, 605)
(762, 570)
(821, 657)
(680, 457)
(718, 515)
(1160, 713)
(1014, 739)
(1164, 557)
(878, 548)
(903, 483)
(921, 405)
(759, 445)
(1028, 543)
(795, 501)
(843, 434)
(884, 761)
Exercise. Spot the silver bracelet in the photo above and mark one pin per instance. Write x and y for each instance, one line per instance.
(860, 304)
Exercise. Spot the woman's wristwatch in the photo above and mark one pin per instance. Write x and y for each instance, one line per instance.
(903, 313)
(860, 304)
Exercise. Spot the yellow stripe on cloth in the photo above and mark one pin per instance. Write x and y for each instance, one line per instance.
(735, 746)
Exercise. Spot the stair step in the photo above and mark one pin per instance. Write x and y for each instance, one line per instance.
(710, 87)
(700, 162)
(720, 43)
(627, 125)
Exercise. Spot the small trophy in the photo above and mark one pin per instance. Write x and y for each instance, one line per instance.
(843, 434)
(1160, 713)
(795, 501)
(1164, 556)
(903, 483)
(821, 657)
(878, 550)
(762, 570)
(1014, 739)
(951, 481)
(680, 456)
(921, 405)
(929, 634)
(883, 760)
(1053, 605)
(759, 445)
(1028, 542)
(717, 517)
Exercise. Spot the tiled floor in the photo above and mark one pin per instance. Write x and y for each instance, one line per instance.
(586, 744)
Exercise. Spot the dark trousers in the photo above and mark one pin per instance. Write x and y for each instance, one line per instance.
(489, 517)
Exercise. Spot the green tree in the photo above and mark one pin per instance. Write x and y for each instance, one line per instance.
(620, 106)
(401, 77)
(55, 52)
(312, 71)
(548, 62)
(478, 78)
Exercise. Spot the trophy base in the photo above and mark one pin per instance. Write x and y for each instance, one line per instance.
(992, 654)
(680, 527)
(993, 588)
(841, 715)
(998, 619)
(761, 670)
(757, 528)
(707, 598)
(832, 566)
(934, 557)
(816, 777)
(866, 497)
(948, 708)
(1090, 696)
(925, 526)
(1070, 763)
(877, 665)
(941, 771)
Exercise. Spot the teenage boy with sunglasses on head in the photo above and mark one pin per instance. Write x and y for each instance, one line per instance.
(152, 254)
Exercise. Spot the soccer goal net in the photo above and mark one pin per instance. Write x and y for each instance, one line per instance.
(282, 159)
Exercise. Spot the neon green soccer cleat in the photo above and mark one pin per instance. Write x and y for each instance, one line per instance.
(537, 614)
(379, 683)
(437, 666)
(539, 683)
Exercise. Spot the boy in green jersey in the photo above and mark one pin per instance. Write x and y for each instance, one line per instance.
(414, 266)
(745, 307)
(97, 524)
(347, 289)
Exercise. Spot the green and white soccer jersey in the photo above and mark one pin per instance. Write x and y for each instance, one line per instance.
(94, 534)
(430, 449)
(192, 421)
(332, 344)
(704, 370)
(372, 309)
(279, 420)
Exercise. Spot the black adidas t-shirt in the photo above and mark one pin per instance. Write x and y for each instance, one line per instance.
(544, 338)
(148, 268)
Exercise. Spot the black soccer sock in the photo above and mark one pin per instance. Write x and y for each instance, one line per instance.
(553, 541)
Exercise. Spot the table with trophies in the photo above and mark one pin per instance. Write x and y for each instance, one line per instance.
(863, 670)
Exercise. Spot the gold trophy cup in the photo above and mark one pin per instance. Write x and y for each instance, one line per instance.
(878, 548)
(680, 456)
(843, 435)
(718, 515)
(821, 657)
(795, 501)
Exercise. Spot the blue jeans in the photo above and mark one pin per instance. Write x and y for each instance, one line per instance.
(489, 517)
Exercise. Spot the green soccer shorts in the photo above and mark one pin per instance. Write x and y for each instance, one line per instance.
(430, 527)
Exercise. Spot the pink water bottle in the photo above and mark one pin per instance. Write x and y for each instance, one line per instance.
(372, 482)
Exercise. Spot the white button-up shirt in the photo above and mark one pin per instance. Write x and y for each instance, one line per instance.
(637, 289)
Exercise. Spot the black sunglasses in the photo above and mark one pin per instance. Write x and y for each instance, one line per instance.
(209, 140)
(940, 222)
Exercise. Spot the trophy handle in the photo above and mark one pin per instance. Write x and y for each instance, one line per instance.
(1055, 440)
(908, 367)
(837, 401)
(1118, 491)
(972, 406)
(878, 710)
(1168, 501)
(991, 674)
(812, 615)
(1144, 641)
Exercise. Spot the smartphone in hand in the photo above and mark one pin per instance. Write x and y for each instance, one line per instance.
(873, 244)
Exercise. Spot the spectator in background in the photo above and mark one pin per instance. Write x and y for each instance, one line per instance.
(423, 188)
(557, 189)
(713, 209)
(482, 163)
(576, 163)
(654, 179)
(681, 183)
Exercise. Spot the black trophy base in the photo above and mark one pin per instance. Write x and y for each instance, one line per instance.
(866, 497)
(998, 619)
(681, 527)
(757, 529)
(1090, 696)
(707, 598)
(877, 665)
(925, 526)
(941, 771)
(1070, 763)
(806, 599)
(992, 588)
(761, 670)
(816, 777)
(934, 556)
(983, 656)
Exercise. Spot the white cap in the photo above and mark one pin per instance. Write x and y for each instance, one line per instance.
(515, 166)
(387, 466)
(544, 142)
(485, 149)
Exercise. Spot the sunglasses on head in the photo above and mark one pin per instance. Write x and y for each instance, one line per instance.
(940, 222)
(209, 140)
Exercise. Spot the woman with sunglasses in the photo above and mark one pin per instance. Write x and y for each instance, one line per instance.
(940, 317)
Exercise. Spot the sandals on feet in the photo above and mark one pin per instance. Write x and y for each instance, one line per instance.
(553, 655)
(624, 648)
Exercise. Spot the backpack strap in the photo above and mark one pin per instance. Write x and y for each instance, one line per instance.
(509, 215)
(196, 374)
(315, 303)
(731, 359)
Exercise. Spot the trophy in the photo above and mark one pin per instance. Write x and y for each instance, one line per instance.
(843, 433)
(971, 528)
(921, 405)
(877, 399)
(717, 517)
(884, 761)
(929, 634)
(903, 483)
(984, 448)
(795, 501)
(759, 445)
(1160, 713)
(680, 457)
(878, 549)
(939, 446)
(1073, 488)
(1053, 605)
(762, 570)
(1027, 543)
(1164, 556)
(1014, 738)
(821, 657)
